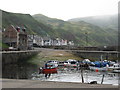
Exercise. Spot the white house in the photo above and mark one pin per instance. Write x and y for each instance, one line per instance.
(47, 41)
(64, 42)
(71, 43)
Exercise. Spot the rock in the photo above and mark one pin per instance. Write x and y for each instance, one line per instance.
(93, 82)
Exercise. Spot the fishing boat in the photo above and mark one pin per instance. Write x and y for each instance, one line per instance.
(115, 68)
(99, 66)
(53, 62)
(116, 71)
(71, 63)
(49, 71)
(105, 66)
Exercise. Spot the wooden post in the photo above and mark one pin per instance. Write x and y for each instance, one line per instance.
(82, 74)
(102, 79)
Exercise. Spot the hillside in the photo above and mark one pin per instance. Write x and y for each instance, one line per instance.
(81, 30)
(105, 21)
(33, 26)
(27, 21)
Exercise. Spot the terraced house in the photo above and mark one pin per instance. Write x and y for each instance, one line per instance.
(15, 38)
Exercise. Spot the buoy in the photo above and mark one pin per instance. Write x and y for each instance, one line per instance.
(96, 70)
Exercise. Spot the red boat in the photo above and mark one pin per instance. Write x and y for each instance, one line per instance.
(49, 71)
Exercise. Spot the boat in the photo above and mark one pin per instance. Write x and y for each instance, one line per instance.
(105, 66)
(49, 68)
(115, 68)
(97, 69)
(116, 71)
(61, 63)
(71, 63)
(99, 66)
(54, 62)
(49, 71)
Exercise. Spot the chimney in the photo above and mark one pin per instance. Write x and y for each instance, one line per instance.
(24, 29)
(18, 29)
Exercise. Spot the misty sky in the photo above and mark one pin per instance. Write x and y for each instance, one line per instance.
(61, 9)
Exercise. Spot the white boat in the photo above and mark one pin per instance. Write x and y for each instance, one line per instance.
(97, 69)
(71, 62)
(54, 62)
(114, 68)
(116, 71)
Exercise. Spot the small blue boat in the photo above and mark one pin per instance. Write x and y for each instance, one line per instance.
(99, 66)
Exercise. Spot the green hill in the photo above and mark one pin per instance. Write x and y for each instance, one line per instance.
(75, 31)
(32, 25)
(27, 21)
(105, 21)
(96, 36)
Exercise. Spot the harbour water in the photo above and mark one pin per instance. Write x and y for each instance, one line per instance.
(75, 76)
(28, 71)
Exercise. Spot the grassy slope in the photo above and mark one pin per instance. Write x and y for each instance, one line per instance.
(58, 28)
(26, 20)
(105, 21)
(96, 35)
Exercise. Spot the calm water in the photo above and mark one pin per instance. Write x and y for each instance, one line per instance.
(75, 76)
(18, 71)
(29, 71)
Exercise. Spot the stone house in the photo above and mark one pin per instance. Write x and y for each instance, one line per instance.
(30, 41)
(15, 37)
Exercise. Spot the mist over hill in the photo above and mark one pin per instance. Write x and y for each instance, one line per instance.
(105, 21)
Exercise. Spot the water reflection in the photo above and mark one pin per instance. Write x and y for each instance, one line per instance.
(18, 70)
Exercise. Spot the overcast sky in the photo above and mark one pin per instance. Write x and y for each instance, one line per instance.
(61, 9)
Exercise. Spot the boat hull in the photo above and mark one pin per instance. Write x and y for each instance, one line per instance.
(98, 69)
(49, 71)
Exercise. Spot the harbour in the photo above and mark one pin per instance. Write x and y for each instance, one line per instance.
(30, 70)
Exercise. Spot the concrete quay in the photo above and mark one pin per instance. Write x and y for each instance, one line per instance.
(17, 83)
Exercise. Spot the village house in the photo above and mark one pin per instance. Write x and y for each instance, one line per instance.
(64, 42)
(15, 38)
(47, 41)
(56, 42)
(38, 40)
(71, 43)
(30, 41)
(59, 42)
